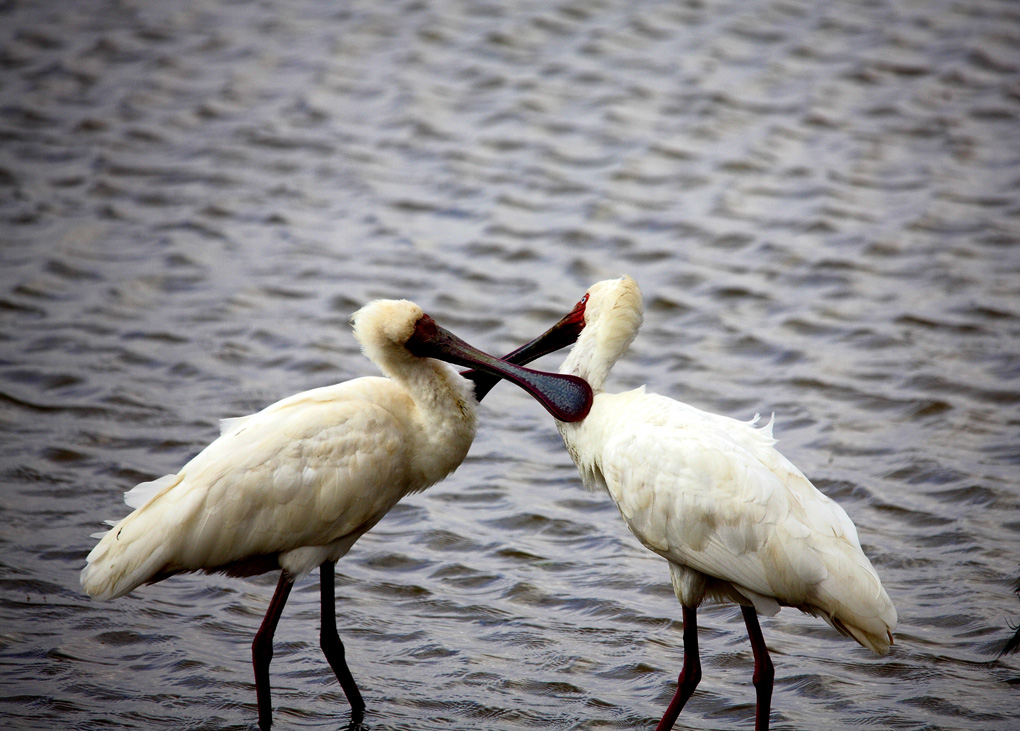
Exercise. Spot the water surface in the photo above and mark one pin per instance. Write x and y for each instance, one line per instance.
(821, 202)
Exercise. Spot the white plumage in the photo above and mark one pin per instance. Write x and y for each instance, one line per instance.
(303, 478)
(734, 518)
(296, 484)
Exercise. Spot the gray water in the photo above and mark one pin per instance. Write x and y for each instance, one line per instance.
(821, 202)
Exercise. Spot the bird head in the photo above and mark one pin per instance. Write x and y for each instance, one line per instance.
(610, 315)
(395, 334)
(385, 323)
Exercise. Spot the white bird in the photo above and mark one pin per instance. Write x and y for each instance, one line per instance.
(296, 484)
(733, 517)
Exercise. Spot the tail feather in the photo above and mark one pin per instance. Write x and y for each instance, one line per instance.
(877, 642)
(123, 560)
(869, 623)
(132, 552)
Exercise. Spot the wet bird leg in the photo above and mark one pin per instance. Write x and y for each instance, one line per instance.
(262, 649)
(331, 645)
(690, 673)
(764, 672)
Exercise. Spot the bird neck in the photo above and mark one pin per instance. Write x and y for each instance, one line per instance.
(436, 388)
(445, 416)
(595, 353)
(586, 361)
(441, 389)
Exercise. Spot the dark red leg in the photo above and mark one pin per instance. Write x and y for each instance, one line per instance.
(690, 673)
(262, 649)
(764, 672)
(331, 645)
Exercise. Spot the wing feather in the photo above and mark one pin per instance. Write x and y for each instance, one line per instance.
(306, 471)
(714, 495)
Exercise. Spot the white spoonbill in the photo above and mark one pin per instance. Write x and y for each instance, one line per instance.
(733, 517)
(295, 485)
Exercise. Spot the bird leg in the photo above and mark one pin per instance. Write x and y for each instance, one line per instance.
(262, 649)
(331, 645)
(764, 672)
(690, 673)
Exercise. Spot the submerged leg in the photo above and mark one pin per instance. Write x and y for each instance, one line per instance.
(690, 674)
(262, 649)
(331, 645)
(764, 672)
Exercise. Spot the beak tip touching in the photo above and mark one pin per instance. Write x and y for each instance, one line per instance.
(582, 403)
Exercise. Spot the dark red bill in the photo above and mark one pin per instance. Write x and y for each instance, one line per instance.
(567, 398)
(563, 333)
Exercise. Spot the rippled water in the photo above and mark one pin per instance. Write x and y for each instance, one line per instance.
(821, 202)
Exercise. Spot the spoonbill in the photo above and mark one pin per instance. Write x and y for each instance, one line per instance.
(734, 518)
(296, 484)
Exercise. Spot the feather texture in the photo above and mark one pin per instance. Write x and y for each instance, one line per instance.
(736, 520)
(297, 483)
